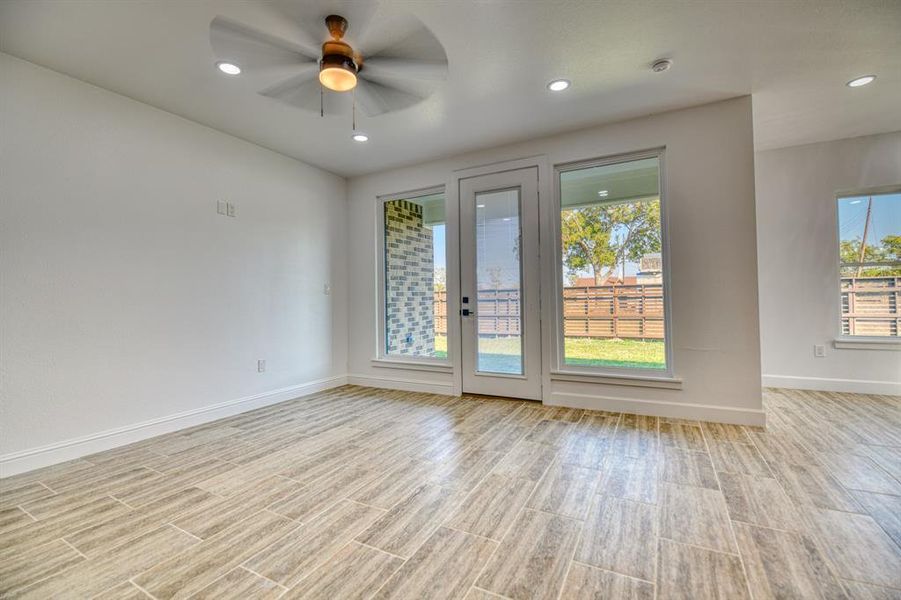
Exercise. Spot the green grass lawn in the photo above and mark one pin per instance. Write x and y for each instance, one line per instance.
(582, 352)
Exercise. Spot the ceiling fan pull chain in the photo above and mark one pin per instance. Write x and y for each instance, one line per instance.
(353, 109)
(321, 109)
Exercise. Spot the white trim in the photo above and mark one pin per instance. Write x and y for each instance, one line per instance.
(824, 384)
(669, 383)
(867, 343)
(679, 410)
(51, 454)
(413, 365)
(525, 180)
(403, 384)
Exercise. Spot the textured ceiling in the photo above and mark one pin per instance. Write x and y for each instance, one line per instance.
(794, 56)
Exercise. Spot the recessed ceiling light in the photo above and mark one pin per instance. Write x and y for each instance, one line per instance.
(360, 137)
(861, 81)
(480, 206)
(603, 193)
(558, 85)
(228, 68)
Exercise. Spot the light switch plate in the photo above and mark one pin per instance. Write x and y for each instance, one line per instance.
(231, 209)
(222, 207)
(819, 350)
(261, 366)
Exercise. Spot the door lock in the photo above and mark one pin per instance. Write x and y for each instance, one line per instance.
(465, 312)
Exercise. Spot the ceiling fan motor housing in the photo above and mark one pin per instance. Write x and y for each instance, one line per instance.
(336, 53)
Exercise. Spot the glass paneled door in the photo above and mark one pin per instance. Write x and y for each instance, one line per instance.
(499, 284)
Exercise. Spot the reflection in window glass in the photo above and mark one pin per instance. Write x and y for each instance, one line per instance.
(613, 295)
(869, 230)
(415, 277)
(498, 282)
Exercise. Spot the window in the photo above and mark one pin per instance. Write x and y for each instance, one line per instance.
(869, 234)
(613, 266)
(414, 277)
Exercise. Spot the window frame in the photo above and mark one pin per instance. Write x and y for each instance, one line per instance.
(381, 354)
(622, 373)
(859, 342)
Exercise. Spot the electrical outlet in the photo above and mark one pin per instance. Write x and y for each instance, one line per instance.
(222, 207)
(819, 350)
(231, 209)
(261, 366)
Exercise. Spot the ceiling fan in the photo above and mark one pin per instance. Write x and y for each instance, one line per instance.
(388, 63)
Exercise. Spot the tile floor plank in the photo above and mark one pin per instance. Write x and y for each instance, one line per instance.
(758, 500)
(565, 490)
(191, 571)
(297, 554)
(782, 564)
(588, 583)
(533, 558)
(444, 567)
(696, 516)
(857, 547)
(690, 573)
(409, 523)
(620, 536)
(492, 506)
(354, 573)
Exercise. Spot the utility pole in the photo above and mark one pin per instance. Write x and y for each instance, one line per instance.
(863, 242)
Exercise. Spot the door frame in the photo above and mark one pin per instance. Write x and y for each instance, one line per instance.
(545, 259)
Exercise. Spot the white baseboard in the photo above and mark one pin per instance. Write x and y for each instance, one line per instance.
(35, 458)
(823, 384)
(406, 385)
(657, 408)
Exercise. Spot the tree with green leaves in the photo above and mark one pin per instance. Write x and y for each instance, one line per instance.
(605, 236)
(888, 251)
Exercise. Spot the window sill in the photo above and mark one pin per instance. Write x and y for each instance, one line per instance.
(667, 383)
(412, 365)
(865, 343)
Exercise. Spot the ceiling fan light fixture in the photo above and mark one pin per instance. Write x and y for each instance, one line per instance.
(338, 73)
(558, 85)
(359, 136)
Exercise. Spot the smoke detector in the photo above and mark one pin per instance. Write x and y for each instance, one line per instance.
(661, 65)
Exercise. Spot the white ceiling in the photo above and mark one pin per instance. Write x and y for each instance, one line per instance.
(793, 55)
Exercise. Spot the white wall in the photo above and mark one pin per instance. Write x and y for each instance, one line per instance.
(710, 193)
(125, 298)
(798, 262)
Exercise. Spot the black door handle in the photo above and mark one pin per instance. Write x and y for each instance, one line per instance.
(464, 312)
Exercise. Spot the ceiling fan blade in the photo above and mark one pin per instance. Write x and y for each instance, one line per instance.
(406, 68)
(251, 48)
(308, 72)
(305, 94)
(376, 98)
(402, 36)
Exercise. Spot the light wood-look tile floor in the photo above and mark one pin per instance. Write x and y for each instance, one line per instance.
(363, 493)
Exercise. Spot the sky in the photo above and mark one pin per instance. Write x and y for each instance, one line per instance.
(885, 218)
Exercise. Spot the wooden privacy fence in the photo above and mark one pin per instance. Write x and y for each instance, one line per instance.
(604, 311)
(870, 306)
